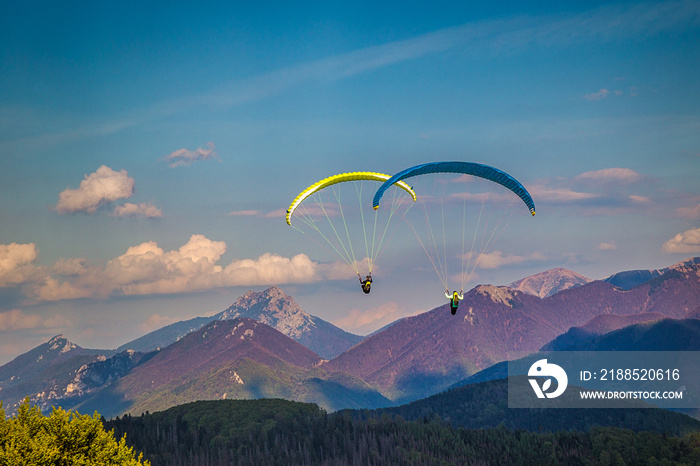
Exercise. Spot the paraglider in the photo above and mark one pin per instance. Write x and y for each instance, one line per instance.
(487, 224)
(455, 298)
(336, 218)
(366, 283)
(467, 168)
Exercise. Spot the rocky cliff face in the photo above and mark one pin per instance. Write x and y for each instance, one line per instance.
(44, 372)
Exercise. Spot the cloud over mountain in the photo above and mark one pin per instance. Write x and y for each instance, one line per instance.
(16, 262)
(687, 242)
(147, 269)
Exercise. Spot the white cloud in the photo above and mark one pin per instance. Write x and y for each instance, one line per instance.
(611, 175)
(687, 242)
(16, 263)
(187, 157)
(99, 188)
(144, 209)
(54, 290)
(271, 269)
(600, 95)
(149, 269)
(607, 246)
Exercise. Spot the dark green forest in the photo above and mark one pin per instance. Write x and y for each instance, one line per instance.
(485, 404)
(268, 431)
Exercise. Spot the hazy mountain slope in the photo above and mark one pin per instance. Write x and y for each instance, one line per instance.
(598, 325)
(40, 372)
(427, 353)
(239, 358)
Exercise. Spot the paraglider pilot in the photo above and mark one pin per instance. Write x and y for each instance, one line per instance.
(366, 284)
(455, 298)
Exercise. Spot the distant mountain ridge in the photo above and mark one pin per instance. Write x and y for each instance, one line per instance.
(427, 353)
(412, 358)
(272, 307)
(240, 358)
(632, 278)
(43, 369)
(648, 334)
(599, 325)
(550, 282)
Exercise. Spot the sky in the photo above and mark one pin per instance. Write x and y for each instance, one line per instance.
(149, 150)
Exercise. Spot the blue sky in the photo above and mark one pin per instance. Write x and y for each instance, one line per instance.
(147, 153)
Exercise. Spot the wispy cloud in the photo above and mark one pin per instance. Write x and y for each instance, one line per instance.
(607, 246)
(600, 95)
(245, 213)
(184, 157)
(692, 213)
(496, 259)
(558, 195)
(485, 37)
(611, 175)
(144, 209)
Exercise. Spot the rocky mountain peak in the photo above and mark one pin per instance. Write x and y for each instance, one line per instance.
(497, 294)
(272, 299)
(61, 344)
(688, 266)
(272, 307)
(550, 282)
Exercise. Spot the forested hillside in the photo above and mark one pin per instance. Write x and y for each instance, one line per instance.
(485, 405)
(238, 432)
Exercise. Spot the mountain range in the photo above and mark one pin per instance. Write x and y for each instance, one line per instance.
(232, 356)
(427, 353)
(272, 307)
